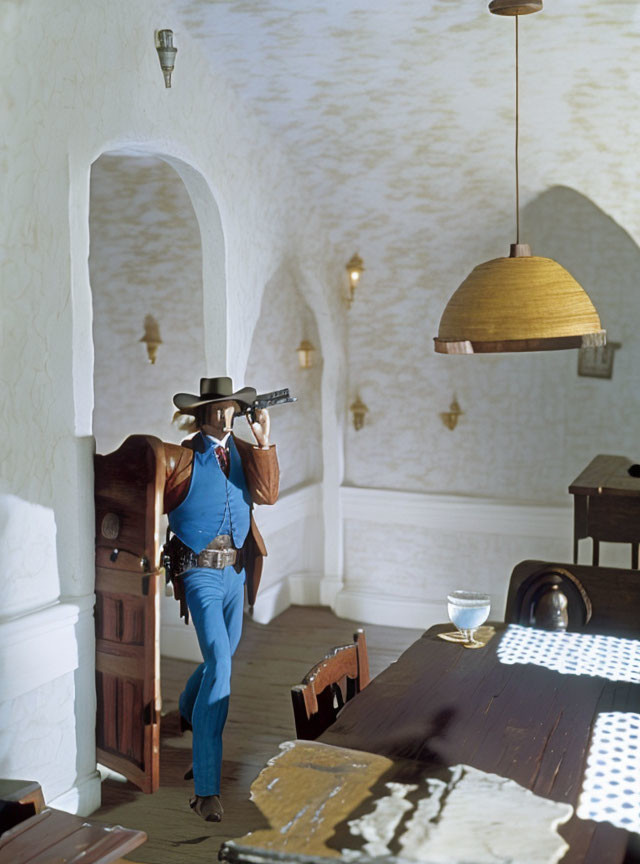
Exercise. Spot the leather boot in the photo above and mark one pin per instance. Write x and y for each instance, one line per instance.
(208, 807)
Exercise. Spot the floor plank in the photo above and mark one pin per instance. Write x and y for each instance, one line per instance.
(270, 659)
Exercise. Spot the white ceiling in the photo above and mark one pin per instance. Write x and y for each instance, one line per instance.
(379, 103)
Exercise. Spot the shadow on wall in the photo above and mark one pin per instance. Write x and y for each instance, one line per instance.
(601, 415)
(285, 319)
(564, 225)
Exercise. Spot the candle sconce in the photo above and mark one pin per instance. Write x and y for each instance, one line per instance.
(305, 352)
(359, 411)
(166, 54)
(151, 337)
(450, 417)
(355, 269)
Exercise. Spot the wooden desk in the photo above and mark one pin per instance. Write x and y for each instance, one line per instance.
(441, 704)
(607, 505)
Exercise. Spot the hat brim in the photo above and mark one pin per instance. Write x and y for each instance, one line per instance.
(187, 401)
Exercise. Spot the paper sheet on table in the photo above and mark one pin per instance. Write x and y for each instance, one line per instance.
(474, 816)
(323, 803)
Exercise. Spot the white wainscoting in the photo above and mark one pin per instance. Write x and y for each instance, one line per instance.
(47, 688)
(442, 542)
(487, 536)
(448, 512)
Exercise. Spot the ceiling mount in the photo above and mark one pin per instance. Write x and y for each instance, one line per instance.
(515, 7)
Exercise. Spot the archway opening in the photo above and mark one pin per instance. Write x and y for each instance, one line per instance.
(146, 275)
(145, 269)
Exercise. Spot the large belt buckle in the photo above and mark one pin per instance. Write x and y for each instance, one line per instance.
(218, 554)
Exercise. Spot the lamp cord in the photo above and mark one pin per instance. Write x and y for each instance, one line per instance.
(517, 124)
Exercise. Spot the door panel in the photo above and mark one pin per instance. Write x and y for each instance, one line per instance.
(128, 491)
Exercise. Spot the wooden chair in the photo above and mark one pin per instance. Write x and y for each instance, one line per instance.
(575, 597)
(317, 701)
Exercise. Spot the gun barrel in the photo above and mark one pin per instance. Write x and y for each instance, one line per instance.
(266, 400)
(274, 394)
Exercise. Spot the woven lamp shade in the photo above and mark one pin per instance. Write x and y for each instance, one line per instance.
(518, 304)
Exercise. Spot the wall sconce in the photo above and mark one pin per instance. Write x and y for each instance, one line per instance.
(450, 417)
(166, 53)
(355, 268)
(151, 337)
(359, 411)
(305, 354)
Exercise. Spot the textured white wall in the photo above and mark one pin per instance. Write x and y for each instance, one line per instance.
(408, 152)
(81, 82)
(400, 116)
(285, 319)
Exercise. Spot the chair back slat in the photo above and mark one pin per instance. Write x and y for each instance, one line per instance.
(325, 688)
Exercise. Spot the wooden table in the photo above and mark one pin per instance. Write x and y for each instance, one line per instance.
(606, 505)
(441, 705)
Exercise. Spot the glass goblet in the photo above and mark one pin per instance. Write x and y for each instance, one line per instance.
(468, 610)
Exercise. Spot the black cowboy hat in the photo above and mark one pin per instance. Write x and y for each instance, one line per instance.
(214, 390)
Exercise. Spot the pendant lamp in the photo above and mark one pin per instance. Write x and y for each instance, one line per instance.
(523, 302)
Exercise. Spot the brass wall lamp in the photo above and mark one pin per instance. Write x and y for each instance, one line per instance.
(450, 418)
(355, 269)
(359, 411)
(305, 351)
(151, 337)
(166, 54)
(522, 302)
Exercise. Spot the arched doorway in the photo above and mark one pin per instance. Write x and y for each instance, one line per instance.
(145, 267)
(146, 275)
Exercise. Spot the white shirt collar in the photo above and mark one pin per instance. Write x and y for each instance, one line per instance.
(220, 442)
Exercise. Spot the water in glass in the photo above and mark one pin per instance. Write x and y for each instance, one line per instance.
(468, 610)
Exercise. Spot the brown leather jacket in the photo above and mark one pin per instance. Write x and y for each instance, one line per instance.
(263, 478)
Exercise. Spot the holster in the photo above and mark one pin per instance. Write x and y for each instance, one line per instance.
(176, 558)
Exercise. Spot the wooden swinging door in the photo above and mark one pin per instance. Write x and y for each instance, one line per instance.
(129, 485)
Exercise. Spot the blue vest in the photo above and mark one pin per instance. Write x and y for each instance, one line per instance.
(214, 503)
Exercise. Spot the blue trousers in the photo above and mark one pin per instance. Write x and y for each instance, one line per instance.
(215, 599)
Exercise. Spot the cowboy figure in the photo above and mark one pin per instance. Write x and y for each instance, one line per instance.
(213, 480)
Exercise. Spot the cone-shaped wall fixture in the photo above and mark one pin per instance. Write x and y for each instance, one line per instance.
(523, 302)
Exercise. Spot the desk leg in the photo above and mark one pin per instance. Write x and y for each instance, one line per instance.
(634, 556)
(596, 553)
(580, 527)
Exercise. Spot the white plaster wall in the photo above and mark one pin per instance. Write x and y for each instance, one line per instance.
(285, 319)
(400, 116)
(145, 260)
(38, 734)
(80, 82)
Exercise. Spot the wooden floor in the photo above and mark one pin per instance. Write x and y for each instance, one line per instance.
(269, 660)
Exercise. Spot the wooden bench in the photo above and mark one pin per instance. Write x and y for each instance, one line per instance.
(34, 834)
